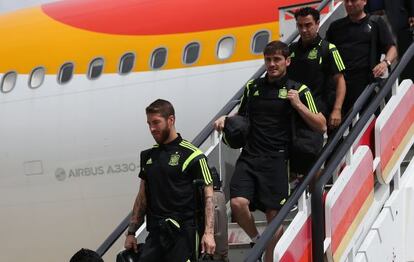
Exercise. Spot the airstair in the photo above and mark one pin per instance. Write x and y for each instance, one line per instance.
(365, 215)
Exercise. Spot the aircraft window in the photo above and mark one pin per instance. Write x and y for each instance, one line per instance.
(37, 77)
(65, 73)
(127, 63)
(158, 58)
(95, 68)
(191, 53)
(225, 48)
(260, 41)
(8, 82)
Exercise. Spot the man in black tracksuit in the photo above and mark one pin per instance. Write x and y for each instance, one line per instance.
(166, 194)
(260, 179)
(318, 64)
(361, 40)
(400, 14)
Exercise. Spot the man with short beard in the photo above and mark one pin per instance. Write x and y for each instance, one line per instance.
(166, 193)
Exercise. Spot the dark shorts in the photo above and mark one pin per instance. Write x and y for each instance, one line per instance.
(261, 180)
(181, 251)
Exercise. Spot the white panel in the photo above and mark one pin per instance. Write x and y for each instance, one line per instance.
(408, 187)
(388, 229)
(340, 184)
(370, 251)
(292, 231)
(381, 192)
(382, 119)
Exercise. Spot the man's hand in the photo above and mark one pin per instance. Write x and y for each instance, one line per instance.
(219, 123)
(335, 119)
(380, 69)
(293, 96)
(411, 21)
(131, 243)
(208, 245)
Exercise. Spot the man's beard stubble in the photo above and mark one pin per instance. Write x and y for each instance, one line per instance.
(164, 136)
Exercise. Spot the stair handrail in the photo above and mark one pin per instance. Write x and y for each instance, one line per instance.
(318, 225)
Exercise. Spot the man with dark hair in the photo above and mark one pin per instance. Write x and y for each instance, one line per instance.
(260, 179)
(166, 193)
(86, 255)
(162, 107)
(361, 39)
(318, 64)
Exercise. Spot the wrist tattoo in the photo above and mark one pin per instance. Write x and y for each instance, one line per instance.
(209, 216)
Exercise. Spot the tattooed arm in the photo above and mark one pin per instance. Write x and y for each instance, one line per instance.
(137, 218)
(207, 243)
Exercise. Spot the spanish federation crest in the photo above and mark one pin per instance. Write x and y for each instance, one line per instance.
(174, 158)
(313, 54)
(283, 93)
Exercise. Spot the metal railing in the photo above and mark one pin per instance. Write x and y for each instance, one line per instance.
(318, 225)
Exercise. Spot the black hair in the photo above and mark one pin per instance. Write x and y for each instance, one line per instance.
(275, 47)
(308, 11)
(162, 107)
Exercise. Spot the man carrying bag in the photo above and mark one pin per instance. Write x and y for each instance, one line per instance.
(260, 180)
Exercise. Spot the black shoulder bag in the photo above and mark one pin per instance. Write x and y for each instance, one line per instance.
(306, 144)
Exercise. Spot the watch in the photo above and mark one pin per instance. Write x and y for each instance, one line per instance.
(129, 233)
(387, 62)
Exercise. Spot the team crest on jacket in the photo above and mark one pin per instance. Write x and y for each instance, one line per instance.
(174, 158)
(283, 93)
(313, 54)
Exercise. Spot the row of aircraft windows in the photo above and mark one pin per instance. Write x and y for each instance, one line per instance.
(225, 49)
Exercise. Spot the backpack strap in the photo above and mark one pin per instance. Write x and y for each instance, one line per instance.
(373, 56)
(291, 84)
(323, 47)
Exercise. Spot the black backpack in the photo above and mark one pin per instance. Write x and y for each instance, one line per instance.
(306, 144)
